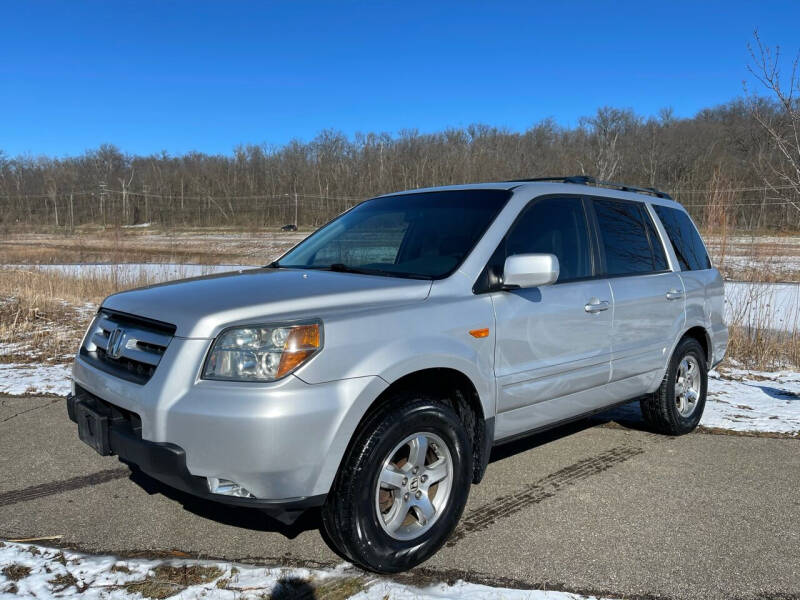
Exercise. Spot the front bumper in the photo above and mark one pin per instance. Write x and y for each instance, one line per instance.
(282, 441)
(166, 462)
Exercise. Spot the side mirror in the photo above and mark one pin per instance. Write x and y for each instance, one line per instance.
(530, 270)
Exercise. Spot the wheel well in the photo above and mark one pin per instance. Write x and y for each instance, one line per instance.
(698, 333)
(457, 390)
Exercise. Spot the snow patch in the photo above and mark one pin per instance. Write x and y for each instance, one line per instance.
(24, 379)
(37, 572)
(742, 400)
(137, 226)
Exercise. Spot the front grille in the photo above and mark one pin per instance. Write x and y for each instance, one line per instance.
(126, 346)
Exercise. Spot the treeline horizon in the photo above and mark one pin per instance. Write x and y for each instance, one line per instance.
(723, 163)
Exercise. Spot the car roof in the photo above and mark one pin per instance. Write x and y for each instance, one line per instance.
(541, 188)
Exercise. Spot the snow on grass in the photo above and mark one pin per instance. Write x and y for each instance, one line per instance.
(38, 572)
(742, 401)
(24, 379)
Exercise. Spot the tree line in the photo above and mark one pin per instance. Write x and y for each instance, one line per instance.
(736, 165)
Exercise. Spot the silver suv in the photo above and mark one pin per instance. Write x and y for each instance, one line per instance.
(372, 368)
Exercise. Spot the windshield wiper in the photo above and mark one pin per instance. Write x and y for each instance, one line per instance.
(343, 268)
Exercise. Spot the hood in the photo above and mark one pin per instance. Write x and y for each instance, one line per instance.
(201, 306)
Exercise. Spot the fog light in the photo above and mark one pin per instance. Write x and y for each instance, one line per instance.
(227, 488)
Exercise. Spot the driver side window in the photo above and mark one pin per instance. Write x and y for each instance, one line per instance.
(554, 226)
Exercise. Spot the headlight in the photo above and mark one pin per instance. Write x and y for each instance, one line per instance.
(262, 352)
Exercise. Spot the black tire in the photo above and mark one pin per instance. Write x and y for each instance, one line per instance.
(349, 516)
(660, 409)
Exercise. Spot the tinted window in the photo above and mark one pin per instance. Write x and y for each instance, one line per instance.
(623, 237)
(423, 235)
(554, 226)
(375, 239)
(659, 257)
(688, 246)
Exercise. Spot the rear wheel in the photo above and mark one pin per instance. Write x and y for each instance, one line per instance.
(402, 486)
(677, 406)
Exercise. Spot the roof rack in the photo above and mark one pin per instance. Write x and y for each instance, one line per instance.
(588, 180)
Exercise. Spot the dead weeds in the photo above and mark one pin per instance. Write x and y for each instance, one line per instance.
(15, 572)
(63, 581)
(119, 568)
(168, 580)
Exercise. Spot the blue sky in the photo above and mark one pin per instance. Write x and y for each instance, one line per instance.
(180, 76)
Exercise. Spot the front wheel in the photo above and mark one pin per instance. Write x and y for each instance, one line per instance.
(677, 406)
(402, 486)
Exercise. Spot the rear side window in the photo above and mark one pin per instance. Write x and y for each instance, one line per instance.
(624, 239)
(554, 226)
(688, 246)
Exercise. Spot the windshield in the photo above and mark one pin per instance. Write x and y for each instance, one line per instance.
(425, 235)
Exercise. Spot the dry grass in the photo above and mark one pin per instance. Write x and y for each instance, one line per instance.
(763, 259)
(148, 245)
(43, 315)
(167, 580)
(763, 349)
(753, 256)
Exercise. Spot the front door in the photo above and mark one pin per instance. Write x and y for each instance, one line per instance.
(553, 342)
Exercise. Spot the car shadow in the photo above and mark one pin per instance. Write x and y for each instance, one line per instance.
(778, 393)
(236, 516)
(626, 416)
(292, 588)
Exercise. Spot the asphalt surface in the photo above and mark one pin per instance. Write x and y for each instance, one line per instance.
(589, 508)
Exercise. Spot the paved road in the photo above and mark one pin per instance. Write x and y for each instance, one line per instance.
(593, 509)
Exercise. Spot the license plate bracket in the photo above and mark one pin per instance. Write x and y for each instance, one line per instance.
(93, 428)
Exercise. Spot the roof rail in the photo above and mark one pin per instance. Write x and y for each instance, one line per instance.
(588, 180)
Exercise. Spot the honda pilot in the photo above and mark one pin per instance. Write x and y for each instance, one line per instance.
(370, 371)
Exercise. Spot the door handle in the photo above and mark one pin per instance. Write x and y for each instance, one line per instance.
(595, 306)
(674, 295)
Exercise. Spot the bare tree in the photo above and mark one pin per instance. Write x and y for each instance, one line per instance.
(604, 131)
(779, 115)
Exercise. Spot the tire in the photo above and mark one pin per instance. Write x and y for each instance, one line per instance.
(363, 514)
(669, 411)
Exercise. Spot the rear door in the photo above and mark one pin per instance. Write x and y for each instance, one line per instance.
(648, 297)
(553, 345)
(702, 283)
